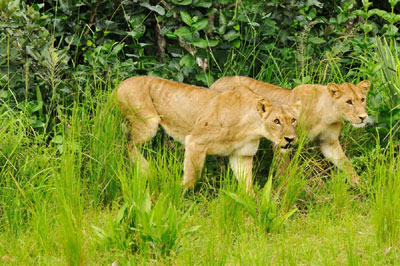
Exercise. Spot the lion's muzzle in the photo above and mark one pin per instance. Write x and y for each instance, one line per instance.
(287, 142)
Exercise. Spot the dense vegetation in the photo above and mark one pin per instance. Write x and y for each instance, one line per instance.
(70, 195)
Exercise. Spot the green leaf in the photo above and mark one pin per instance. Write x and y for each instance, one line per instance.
(221, 29)
(157, 8)
(3, 94)
(33, 52)
(37, 107)
(254, 24)
(231, 35)
(366, 27)
(392, 18)
(312, 13)
(182, 2)
(203, 3)
(201, 24)
(213, 43)
(207, 79)
(170, 35)
(179, 77)
(137, 30)
(362, 13)
(184, 32)
(222, 19)
(201, 43)
(266, 192)
(37, 123)
(186, 215)
(366, 4)
(57, 139)
(316, 40)
(117, 48)
(186, 18)
(245, 202)
(315, 3)
(288, 214)
(393, 2)
(187, 60)
(193, 229)
(223, 22)
(37, 7)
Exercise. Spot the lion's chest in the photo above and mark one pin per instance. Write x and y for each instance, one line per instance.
(319, 130)
(316, 118)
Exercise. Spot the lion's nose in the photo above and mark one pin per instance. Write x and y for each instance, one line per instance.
(363, 117)
(289, 139)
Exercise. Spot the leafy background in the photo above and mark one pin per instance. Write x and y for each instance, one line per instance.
(46, 44)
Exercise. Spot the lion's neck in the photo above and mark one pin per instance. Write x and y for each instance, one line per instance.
(326, 111)
(321, 117)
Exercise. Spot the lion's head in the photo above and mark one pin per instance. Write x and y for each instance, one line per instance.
(350, 101)
(279, 121)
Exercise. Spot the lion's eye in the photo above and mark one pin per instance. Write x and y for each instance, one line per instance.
(276, 121)
(350, 102)
(293, 120)
(362, 100)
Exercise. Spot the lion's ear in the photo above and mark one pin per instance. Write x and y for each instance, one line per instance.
(297, 103)
(364, 86)
(296, 106)
(334, 90)
(262, 106)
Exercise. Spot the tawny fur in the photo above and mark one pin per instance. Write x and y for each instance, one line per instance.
(229, 124)
(323, 108)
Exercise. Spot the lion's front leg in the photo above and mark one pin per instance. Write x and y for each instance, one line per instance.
(194, 160)
(332, 150)
(242, 167)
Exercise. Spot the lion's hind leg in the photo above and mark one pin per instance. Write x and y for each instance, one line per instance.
(143, 126)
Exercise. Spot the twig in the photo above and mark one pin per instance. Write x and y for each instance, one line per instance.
(161, 42)
(169, 8)
(234, 4)
(94, 12)
(186, 46)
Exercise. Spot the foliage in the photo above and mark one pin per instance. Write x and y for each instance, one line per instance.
(386, 193)
(158, 228)
(266, 213)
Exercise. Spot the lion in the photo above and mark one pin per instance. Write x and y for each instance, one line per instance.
(322, 111)
(205, 122)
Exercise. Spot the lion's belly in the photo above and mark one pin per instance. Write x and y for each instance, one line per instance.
(177, 133)
(244, 147)
(248, 149)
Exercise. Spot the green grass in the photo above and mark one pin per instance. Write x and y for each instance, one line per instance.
(73, 197)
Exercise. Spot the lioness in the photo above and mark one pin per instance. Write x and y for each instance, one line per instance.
(323, 109)
(229, 124)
